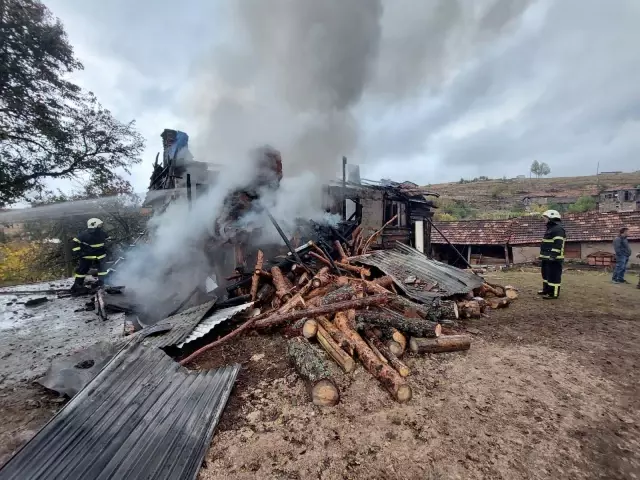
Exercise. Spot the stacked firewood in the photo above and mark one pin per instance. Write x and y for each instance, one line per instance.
(336, 312)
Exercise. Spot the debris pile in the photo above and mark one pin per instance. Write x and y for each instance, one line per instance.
(336, 309)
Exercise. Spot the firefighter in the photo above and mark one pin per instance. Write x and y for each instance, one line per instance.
(90, 245)
(552, 255)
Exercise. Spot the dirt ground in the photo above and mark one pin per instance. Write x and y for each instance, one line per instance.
(548, 390)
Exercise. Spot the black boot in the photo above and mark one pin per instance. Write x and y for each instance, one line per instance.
(78, 287)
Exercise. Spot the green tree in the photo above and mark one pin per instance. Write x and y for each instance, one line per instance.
(535, 168)
(49, 127)
(113, 201)
(544, 169)
(584, 204)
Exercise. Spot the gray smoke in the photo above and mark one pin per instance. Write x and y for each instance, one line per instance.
(291, 78)
(301, 75)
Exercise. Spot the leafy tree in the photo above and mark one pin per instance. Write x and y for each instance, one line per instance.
(544, 169)
(49, 127)
(540, 169)
(112, 201)
(584, 204)
(535, 168)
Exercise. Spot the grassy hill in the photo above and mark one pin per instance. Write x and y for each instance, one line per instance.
(502, 198)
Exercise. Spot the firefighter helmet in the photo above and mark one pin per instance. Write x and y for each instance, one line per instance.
(552, 215)
(94, 223)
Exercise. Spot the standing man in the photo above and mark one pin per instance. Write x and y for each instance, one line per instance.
(90, 244)
(552, 255)
(623, 253)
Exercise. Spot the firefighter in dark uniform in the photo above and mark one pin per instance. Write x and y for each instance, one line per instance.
(90, 246)
(552, 255)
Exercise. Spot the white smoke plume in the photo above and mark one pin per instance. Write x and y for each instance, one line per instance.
(298, 75)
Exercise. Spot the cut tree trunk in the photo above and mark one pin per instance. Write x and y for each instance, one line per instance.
(315, 369)
(393, 360)
(282, 284)
(343, 359)
(396, 338)
(375, 350)
(337, 335)
(512, 292)
(321, 292)
(488, 290)
(255, 280)
(273, 320)
(387, 376)
(469, 309)
(292, 303)
(413, 326)
(362, 271)
(386, 281)
(448, 343)
(303, 279)
(339, 295)
(344, 323)
(322, 278)
(340, 250)
(310, 328)
(496, 303)
(447, 309)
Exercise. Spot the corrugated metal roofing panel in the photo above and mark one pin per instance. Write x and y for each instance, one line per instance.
(403, 262)
(142, 416)
(210, 323)
(182, 324)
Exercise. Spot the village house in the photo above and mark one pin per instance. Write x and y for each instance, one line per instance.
(623, 198)
(374, 204)
(485, 242)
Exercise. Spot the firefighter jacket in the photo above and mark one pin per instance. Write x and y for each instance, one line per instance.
(90, 244)
(552, 246)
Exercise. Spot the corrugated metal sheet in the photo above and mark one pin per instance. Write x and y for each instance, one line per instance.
(436, 279)
(210, 323)
(142, 416)
(182, 324)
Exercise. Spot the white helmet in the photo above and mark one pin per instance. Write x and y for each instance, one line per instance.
(552, 215)
(94, 223)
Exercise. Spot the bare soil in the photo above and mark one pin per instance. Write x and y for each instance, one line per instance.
(549, 390)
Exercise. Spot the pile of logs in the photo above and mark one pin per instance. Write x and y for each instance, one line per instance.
(335, 313)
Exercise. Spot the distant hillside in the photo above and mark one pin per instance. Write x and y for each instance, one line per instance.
(502, 198)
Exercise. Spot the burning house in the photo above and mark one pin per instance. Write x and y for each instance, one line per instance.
(403, 209)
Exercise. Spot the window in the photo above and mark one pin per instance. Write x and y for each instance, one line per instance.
(629, 196)
(393, 208)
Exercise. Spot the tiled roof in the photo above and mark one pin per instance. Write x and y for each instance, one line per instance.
(580, 227)
(472, 232)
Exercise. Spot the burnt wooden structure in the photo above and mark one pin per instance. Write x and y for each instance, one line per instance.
(374, 204)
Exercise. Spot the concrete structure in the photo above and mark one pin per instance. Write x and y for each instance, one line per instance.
(518, 240)
(623, 198)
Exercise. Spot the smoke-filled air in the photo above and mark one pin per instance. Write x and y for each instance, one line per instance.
(301, 76)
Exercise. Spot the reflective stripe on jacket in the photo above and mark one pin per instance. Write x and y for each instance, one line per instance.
(552, 246)
(91, 244)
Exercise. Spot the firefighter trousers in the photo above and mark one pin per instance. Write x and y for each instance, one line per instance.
(85, 264)
(551, 277)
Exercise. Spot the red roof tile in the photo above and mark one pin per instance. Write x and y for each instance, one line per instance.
(473, 232)
(580, 227)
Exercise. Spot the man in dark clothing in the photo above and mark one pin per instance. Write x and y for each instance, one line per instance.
(623, 253)
(552, 255)
(90, 245)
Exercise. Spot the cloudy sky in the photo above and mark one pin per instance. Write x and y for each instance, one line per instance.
(425, 91)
